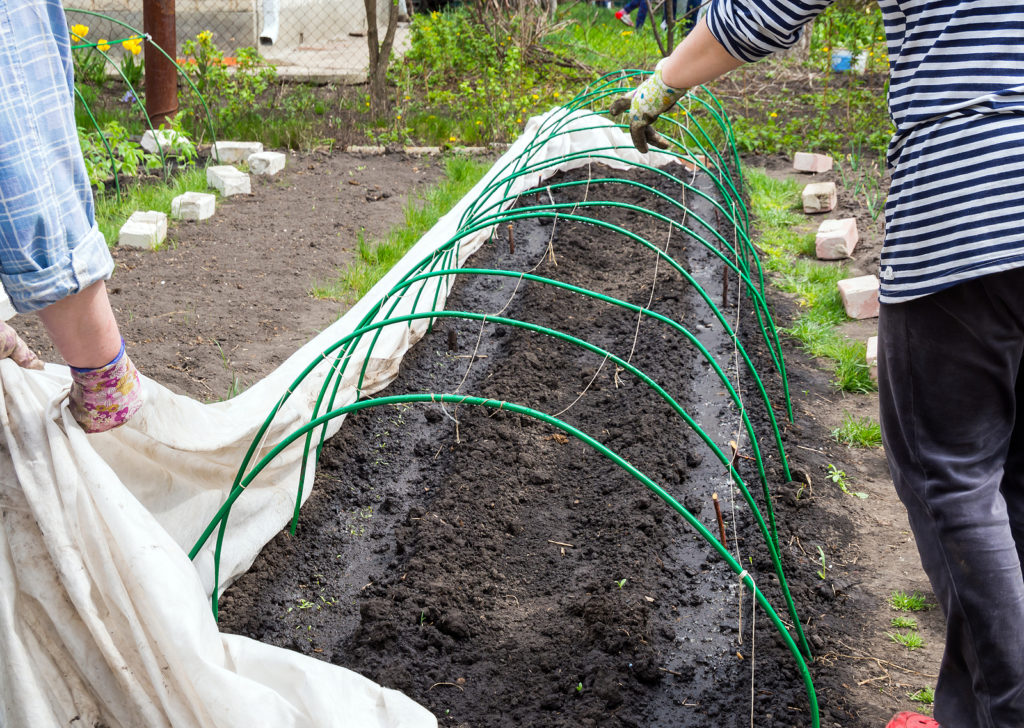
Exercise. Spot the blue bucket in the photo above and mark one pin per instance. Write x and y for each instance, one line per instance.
(842, 60)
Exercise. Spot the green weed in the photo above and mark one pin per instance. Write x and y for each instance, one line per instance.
(822, 572)
(914, 602)
(925, 696)
(838, 477)
(910, 640)
(858, 432)
(904, 623)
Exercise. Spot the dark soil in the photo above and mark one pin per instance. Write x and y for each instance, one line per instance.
(501, 573)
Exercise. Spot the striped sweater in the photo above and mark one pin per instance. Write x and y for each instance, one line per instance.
(956, 204)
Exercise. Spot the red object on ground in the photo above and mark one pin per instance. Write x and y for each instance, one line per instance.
(907, 719)
(624, 17)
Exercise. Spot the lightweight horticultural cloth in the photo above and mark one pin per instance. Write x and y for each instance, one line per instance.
(956, 204)
(50, 246)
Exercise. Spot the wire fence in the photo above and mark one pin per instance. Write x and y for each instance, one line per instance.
(319, 40)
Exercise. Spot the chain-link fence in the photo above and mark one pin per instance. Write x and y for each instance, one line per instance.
(322, 40)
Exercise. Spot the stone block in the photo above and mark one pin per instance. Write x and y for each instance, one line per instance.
(267, 164)
(228, 180)
(233, 152)
(143, 230)
(819, 197)
(836, 239)
(871, 359)
(363, 149)
(860, 296)
(812, 163)
(422, 151)
(193, 206)
(172, 142)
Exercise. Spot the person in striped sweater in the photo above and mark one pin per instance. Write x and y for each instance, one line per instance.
(951, 328)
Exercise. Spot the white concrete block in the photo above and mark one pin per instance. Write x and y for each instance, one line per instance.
(836, 239)
(7, 311)
(860, 296)
(422, 151)
(812, 163)
(267, 164)
(819, 197)
(193, 206)
(228, 181)
(228, 152)
(143, 230)
(171, 142)
(362, 149)
(871, 358)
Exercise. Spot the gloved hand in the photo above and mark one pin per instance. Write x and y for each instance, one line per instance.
(106, 397)
(11, 345)
(651, 99)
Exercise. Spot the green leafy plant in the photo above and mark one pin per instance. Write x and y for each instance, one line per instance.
(620, 583)
(822, 572)
(838, 477)
(904, 623)
(128, 157)
(232, 94)
(925, 696)
(911, 640)
(913, 602)
(858, 432)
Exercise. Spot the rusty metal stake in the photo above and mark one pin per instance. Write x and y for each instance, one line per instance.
(721, 523)
(725, 287)
(158, 21)
(453, 339)
(511, 240)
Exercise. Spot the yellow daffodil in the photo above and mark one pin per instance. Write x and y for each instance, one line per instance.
(79, 31)
(134, 45)
(103, 45)
(205, 36)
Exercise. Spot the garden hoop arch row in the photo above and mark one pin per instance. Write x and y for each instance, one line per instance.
(418, 298)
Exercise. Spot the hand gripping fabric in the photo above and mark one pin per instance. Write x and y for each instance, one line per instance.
(11, 345)
(106, 397)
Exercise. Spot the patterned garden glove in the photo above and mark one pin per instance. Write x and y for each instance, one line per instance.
(107, 397)
(651, 99)
(11, 345)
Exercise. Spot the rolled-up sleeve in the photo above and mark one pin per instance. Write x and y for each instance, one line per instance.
(752, 29)
(50, 246)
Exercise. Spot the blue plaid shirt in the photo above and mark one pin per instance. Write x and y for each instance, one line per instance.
(50, 246)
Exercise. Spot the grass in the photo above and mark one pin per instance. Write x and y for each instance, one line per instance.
(593, 36)
(858, 432)
(375, 258)
(911, 640)
(913, 602)
(904, 623)
(787, 254)
(112, 214)
(925, 696)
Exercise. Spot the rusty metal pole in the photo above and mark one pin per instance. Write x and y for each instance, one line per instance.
(161, 75)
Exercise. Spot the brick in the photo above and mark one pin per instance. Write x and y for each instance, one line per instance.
(812, 163)
(228, 181)
(860, 296)
(836, 239)
(267, 164)
(691, 162)
(233, 152)
(360, 149)
(871, 359)
(170, 141)
(422, 151)
(143, 230)
(193, 206)
(819, 197)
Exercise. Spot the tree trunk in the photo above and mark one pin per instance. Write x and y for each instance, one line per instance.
(380, 55)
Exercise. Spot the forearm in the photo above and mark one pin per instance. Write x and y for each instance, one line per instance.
(83, 328)
(700, 58)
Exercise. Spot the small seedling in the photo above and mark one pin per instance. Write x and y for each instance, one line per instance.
(838, 477)
(904, 623)
(910, 640)
(621, 583)
(924, 695)
(579, 685)
(914, 602)
(821, 559)
(303, 604)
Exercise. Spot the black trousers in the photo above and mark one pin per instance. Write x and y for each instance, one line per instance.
(951, 400)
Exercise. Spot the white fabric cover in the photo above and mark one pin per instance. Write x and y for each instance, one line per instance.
(103, 618)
